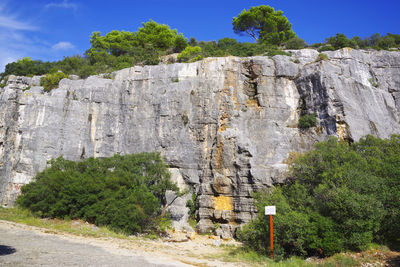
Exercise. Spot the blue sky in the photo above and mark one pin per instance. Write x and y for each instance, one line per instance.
(51, 29)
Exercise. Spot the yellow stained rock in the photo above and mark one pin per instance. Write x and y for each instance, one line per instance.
(223, 203)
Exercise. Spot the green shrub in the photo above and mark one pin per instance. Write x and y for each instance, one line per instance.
(190, 54)
(273, 52)
(373, 82)
(342, 197)
(51, 80)
(326, 48)
(295, 43)
(308, 121)
(3, 82)
(340, 41)
(322, 57)
(123, 192)
(192, 205)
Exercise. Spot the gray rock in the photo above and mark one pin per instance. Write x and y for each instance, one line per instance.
(216, 243)
(285, 67)
(226, 126)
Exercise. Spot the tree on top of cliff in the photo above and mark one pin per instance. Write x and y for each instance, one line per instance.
(264, 24)
(123, 43)
(161, 36)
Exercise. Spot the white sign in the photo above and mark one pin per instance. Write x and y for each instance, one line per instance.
(270, 210)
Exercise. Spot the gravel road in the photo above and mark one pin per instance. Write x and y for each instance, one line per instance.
(25, 247)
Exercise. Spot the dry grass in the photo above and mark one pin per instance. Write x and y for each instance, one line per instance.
(76, 227)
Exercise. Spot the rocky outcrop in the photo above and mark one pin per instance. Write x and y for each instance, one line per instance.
(226, 126)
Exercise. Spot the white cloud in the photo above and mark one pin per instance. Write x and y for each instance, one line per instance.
(64, 4)
(19, 38)
(10, 21)
(14, 40)
(63, 46)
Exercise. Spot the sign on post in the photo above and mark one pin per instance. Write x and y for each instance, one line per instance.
(271, 210)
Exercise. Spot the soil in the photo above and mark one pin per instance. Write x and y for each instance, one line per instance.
(23, 245)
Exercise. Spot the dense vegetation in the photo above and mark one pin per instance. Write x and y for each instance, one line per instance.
(121, 49)
(126, 193)
(341, 197)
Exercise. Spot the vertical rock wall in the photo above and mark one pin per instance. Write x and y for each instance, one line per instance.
(226, 126)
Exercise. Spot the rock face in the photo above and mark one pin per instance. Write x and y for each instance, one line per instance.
(226, 126)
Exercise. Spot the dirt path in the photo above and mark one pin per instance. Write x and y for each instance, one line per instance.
(22, 245)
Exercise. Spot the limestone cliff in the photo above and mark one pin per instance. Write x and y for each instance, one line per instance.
(226, 126)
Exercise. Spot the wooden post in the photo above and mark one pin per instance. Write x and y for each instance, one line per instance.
(271, 235)
(271, 210)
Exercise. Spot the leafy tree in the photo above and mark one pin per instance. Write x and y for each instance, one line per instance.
(227, 43)
(115, 43)
(117, 50)
(123, 192)
(160, 36)
(180, 43)
(373, 39)
(264, 24)
(396, 38)
(193, 41)
(295, 43)
(340, 41)
(361, 43)
(386, 42)
(26, 67)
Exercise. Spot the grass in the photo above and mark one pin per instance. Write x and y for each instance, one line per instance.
(373, 255)
(76, 227)
(240, 254)
(340, 260)
(192, 222)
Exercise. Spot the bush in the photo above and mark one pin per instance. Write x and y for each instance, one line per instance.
(326, 48)
(321, 57)
(3, 82)
(124, 192)
(273, 52)
(190, 54)
(51, 81)
(295, 43)
(308, 121)
(192, 205)
(340, 41)
(343, 197)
